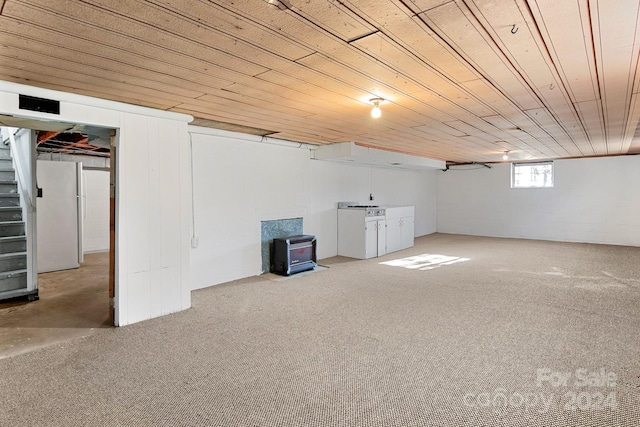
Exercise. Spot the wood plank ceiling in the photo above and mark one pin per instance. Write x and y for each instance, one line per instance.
(462, 80)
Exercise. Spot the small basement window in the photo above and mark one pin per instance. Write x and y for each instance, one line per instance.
(532, 175)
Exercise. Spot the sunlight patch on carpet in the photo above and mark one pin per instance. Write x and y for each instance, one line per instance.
(424, 261)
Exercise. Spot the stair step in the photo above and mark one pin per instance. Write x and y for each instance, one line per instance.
(7, 174)
(5, 153)
(13, 244)
(11, 228)
(8, 187)
(6, 163)
(12, 199)
(12, 280)
(13, 261)
(10, 213)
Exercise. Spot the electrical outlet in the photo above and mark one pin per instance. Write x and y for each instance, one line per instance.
(195, 241)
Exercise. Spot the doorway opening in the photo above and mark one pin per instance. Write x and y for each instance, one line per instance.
(73, 239)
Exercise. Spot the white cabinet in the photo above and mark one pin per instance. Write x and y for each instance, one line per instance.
(375, 238)
(367, 234)
(400, 227)
(361, 236)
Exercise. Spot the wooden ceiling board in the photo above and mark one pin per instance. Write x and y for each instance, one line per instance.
(275, 87)
(524, 48)
(616, 48)
(128, 34)
(545, 120)
(363, 83)
(391, 54)
(516, 136)
(226, 24)
(15, 74)
(333, 18)
(318, 138)
(429, 106)
(228, 108)
(566, 31)
(224, 96)
(429, 103)
(38, 69)
(400, 25)
(440, 133)
(460, 86)
(632, 123)
(81, 53)
(21, 49)
(356, 107)
(311, 133)
(103, 67)
(306, 105)
(315, 91)
(468, 39)
(286, 23)
(482, 89)
(423, 5)
(369, 75)
(166, 64)
(156, 27)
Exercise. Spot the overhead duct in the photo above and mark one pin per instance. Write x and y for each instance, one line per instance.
(350, 152)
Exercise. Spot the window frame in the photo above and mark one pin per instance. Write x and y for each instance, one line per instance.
(514, 166)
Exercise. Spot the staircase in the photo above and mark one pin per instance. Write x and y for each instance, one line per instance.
(13, 240)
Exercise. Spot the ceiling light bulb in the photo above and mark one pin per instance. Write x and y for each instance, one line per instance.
(505, 156)
(376, 112)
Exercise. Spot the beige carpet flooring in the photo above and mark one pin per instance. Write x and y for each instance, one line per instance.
(470, 331)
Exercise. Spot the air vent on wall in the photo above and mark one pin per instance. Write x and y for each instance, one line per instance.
(41, 105)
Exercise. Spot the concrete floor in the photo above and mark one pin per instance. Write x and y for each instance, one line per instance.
(73, 303)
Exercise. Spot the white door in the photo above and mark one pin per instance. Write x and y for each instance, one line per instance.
(59, 228)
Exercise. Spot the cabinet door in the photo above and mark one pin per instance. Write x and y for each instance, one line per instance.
(371, 239)
(382, 237)
(407, 229)
(394, 235)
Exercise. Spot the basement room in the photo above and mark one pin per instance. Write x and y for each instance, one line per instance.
(320, 213)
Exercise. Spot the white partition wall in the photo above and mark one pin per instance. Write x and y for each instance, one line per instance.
(153, 208)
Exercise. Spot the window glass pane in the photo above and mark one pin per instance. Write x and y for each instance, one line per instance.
(527, 175)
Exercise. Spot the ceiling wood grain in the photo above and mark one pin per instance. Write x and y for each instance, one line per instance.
(462, 80)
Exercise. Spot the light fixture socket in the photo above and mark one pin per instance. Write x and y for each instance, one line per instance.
(505, 156)
(280, 4)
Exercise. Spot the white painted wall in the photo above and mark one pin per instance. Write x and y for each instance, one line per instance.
(153, 209)
(96, 210)
(239, 181)
(594, 200)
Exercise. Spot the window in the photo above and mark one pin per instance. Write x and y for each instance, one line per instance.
(532, 175)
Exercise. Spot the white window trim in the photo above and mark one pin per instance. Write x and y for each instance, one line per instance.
(546, 162)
